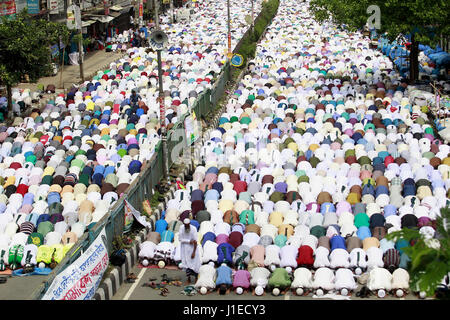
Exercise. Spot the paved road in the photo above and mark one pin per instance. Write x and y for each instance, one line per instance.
(135, 291)
(20, 288)
(93, 62)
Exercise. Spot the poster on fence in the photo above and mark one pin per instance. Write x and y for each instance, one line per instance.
(192, 128)
(80, 280)
(127, 217)
(132, 214)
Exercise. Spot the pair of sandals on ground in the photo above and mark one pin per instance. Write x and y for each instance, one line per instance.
(165, 280)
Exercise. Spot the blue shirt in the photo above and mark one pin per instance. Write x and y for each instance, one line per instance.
(400, 244)
(327, 207)
(227, 255)
(385, 245)
(363, 232)
(212, 194)
(337, 242)
(239, 227)
(195, 224)
(390, 210)
(53, 197)
(208, 236)
(196, 195)
(160, 226)
(224, 275)
(167, 236)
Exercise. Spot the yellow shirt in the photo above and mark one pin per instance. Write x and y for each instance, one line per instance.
(370, 242)
(276, 218)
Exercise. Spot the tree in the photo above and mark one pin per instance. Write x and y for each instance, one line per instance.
(430, 258)
(58, 34)
(424, 20)
(25, 49)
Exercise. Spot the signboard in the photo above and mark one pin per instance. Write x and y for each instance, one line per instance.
(141, 10)
(237, 60)
(54, 50)
(183, 14)
(8, 8)
(162, 113)
(73, 17)
(192, 128)
(20, 5)
(53, 6)
(80, 280)
(33, 6)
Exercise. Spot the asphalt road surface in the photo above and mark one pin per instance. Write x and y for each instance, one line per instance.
(136, 290)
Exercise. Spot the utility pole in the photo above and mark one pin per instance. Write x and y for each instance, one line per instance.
(80, 33)
(156, 2)
(162, 108)
(229, 30)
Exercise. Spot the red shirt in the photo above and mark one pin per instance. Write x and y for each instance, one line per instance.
(196, 206)
(305, 256)
(240, 186)
(15, 165)
(22, 189)
(235, 239)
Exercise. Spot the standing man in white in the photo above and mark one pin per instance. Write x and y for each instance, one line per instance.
(190, 257)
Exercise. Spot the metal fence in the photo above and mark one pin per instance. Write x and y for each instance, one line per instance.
(142, 187)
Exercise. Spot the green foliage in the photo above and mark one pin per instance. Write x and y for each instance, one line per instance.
(154, 201)
(248, 43)
(25, 47)
(430, 258)
(85, 41)
(426, 19)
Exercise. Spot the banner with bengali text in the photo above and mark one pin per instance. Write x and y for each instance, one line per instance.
(7, 8)
(33, 6)
(80, 280)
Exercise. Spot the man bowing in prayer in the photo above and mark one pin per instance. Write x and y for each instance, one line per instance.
(190, 258)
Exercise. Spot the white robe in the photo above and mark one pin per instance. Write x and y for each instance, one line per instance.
(358, 261)
(209, 251)
(321, 258)
(302, 278)
(374, 258)
(272, 255)
(186, 249)
(339, 258)
(147, 250)
(400, 279)
(206, 277)
(379, 278)
(32, 248)
(288, 255)
(323, 278)
(344, 279)
(259, 277)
